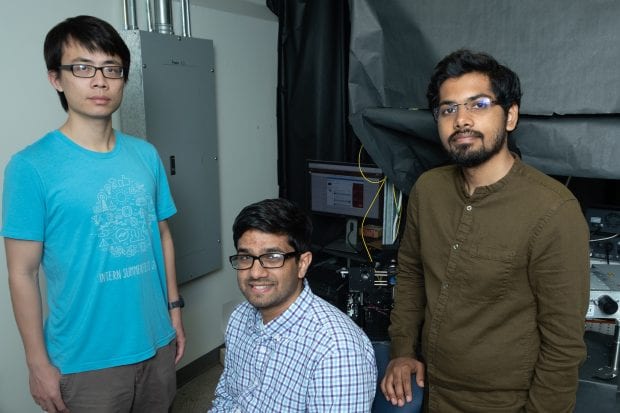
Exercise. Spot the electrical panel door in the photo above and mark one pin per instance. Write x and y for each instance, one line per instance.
(170, 101)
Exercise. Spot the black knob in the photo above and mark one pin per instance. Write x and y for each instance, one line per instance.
(365, 274)
(607, 304)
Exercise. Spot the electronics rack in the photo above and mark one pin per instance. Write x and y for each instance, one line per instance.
(371, 297)
(604, 234)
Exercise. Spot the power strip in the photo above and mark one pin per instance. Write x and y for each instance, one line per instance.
(601, 326)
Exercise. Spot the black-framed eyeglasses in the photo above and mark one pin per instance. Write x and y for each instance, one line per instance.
(478, 105)
(82, 70)
(268, 260)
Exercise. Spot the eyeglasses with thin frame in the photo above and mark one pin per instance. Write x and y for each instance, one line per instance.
(268, 260)
(475, 106)
(83, 70)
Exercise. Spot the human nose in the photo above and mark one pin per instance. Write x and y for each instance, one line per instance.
(257, 269)
(463, 117)
(99, 80)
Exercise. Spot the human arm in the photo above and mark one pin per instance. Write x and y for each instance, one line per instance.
(173, 289)
(407, 316)
(344, 381)
(559, 277)
(223, 401)
(23, 260)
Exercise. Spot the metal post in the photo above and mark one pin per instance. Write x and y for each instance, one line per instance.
(611, 372)
(614, 363)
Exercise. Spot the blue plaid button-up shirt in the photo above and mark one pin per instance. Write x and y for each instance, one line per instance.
(312, 358)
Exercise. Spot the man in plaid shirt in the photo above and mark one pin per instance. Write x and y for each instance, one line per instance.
(287, 349)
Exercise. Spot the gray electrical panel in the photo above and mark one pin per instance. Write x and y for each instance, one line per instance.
(170, 101)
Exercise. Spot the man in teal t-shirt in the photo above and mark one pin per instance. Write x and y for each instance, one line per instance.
(89, 204)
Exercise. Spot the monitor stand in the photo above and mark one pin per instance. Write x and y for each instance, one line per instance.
(347, 245)
(341, 245)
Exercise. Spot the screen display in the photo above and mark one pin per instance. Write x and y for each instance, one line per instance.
(341, 189)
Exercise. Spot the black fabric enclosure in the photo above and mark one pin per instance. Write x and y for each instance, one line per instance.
(313, 53)
(355, 72)
(564, 51)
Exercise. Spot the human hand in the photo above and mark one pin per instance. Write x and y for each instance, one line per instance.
(396, 383)
(177, 324)
(45, 388)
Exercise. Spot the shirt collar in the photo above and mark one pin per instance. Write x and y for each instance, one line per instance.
(483, 191)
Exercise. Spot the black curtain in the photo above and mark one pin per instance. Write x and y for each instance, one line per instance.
(312, 107)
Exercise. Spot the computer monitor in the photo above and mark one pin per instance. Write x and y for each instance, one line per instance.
(339, 188)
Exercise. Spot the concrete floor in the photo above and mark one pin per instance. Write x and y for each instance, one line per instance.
(196, 396)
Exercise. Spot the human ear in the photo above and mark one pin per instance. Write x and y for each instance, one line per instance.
(512, 117)
(303, 263)
(54, 78)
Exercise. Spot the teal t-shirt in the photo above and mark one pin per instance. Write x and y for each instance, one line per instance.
(97, 216)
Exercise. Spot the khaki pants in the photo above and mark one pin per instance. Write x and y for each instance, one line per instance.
(148, 386)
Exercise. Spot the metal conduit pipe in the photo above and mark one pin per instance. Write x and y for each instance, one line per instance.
(149, 15)
(158, 16)
(185, 16)
(129, 15)
(163, 16)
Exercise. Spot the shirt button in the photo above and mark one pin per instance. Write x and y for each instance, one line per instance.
(445, 286)
(455, 247)
(468, 207)
(262, 350)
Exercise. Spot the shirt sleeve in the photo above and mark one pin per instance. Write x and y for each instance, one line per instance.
(165, 204)
(23, 202)
(559, 276)
(409, 298)
(222, 403)
(344, 381)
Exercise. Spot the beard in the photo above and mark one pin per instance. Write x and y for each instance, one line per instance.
(464, 156)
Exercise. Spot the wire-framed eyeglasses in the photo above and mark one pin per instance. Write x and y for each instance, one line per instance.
(268, 260)
(83, 70)
(477, 106)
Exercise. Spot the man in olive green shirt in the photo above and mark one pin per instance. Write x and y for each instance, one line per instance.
(493, 264)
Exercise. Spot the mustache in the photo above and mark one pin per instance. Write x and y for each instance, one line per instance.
(260, 281)
(470, 132)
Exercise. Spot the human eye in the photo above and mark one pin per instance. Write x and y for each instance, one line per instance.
(243, 258)
(81, 68)
(447, 110)
(116, 71)
(241, 261)
(481, 103)
(272, 257)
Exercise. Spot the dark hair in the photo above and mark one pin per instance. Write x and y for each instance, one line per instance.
(276, 216)
(94, 34)
(504, 82)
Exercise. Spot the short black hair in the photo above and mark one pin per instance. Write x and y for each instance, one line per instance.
(276, 216)
(94, 34)
(504, 82)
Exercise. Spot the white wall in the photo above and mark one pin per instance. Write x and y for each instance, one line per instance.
(245, 40)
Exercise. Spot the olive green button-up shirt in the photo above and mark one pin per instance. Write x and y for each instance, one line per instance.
(499, 284)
